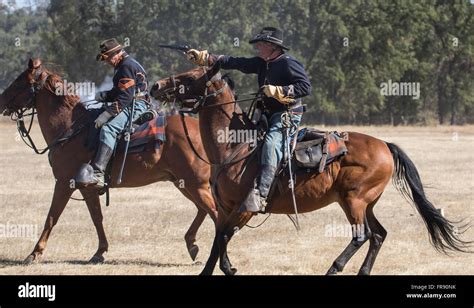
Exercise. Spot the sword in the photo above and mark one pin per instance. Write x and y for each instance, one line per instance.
(287, 125)
(128, 133)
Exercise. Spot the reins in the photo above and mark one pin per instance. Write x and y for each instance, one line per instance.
(199, 105)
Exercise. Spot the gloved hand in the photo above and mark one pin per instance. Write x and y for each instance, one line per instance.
(198, 57)
(100, 96)
(277, 93)
(102, 119)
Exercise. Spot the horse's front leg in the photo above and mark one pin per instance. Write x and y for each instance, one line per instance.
(233, 223)
(62, 193)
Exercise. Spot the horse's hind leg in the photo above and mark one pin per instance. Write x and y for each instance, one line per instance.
(93, 204)
(62, 193)
(190, 236)
(355, 212)
(376, 240)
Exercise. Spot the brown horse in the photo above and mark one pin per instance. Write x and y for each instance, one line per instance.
(356, 181)
(173, 161)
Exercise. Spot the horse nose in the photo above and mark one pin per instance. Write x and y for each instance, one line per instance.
(156, 87)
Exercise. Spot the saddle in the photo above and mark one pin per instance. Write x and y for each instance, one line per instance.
(316, 149)
(148, 130)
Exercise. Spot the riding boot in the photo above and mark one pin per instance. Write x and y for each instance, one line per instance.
(101, 160)
(256, 200)
(267, 174)
(251, 202)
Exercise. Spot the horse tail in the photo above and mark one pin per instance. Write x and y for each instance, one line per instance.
(444, 234)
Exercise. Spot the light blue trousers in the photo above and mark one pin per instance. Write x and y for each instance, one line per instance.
(111, 129)
(273, 146)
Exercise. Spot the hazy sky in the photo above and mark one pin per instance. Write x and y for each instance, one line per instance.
(32, 3)
(25, 3)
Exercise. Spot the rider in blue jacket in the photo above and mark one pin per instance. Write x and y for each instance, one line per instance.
(284, 82)
(130, 85)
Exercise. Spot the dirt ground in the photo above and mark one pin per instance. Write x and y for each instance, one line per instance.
(145, 226)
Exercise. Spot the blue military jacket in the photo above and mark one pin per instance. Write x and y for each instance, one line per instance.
(283, 71)
(129, 79)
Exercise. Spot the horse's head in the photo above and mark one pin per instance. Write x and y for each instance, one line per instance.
(21, 92)
(189, 88)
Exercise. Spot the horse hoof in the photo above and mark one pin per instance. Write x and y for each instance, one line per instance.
(29, 260)
(193, 251)
(231, 272)
(331, 272)
(205, 273)
(96, 260)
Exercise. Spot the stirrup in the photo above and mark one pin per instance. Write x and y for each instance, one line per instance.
(263, 205)
(99, 178)
(251, 202)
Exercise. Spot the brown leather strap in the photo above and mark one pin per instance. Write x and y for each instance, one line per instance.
(322, 164)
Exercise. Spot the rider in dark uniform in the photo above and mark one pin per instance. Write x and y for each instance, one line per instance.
(284, 82)
(129, 84)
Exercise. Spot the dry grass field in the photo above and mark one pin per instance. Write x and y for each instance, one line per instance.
(146, 226)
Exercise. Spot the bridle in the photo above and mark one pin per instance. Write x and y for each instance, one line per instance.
(170, 96)
(34, 88)
(200, 104)
(29, 110)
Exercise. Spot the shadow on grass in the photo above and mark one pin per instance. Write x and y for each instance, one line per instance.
(10, 262)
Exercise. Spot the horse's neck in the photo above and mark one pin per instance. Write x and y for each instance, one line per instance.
(213, 123)
(54, 117)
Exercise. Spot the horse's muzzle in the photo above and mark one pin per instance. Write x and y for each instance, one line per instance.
(156, 87)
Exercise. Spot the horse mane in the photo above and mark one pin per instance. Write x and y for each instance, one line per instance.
(229, 81)
(50, 84)
(231, 84)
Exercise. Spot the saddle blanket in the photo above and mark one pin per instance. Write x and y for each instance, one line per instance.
(151, 133)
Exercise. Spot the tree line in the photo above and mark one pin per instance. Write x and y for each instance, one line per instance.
(361, 56)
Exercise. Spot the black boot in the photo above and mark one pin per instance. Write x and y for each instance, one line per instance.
(267, 174)
(100, 162)
(251, 203)
(94, 175)
(256, 200)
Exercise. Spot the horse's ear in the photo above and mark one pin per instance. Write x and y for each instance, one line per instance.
(34, 63)
(213, 70)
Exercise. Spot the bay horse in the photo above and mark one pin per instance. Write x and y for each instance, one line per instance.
(356, 181)
(172, 161)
